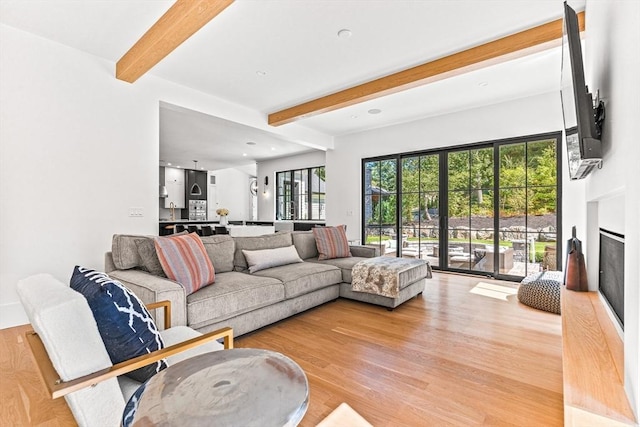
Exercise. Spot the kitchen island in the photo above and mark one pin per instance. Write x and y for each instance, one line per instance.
(167, 227)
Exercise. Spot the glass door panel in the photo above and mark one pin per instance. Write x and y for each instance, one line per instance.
(459, 245)
(429, 228)
(542, 205)
(481, 200)
(429, 220)
(419, 208)
(408, 242)
(482, 230)
(380, 201)
(470, 200)
(512, 209)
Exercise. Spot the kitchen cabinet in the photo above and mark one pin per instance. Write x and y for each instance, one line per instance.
(174, 181)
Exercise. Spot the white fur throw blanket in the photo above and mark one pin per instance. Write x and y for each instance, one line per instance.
(386, 275)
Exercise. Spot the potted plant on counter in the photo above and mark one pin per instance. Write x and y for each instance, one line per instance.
(222, 212)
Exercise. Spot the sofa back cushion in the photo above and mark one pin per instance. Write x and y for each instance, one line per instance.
(220, 248)
(305, 243)
(268, 241)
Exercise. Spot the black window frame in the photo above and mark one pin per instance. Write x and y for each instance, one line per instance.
(442, 152)
(288, 177)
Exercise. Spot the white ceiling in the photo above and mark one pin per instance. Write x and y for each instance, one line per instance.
(295, 43)
(187, 135)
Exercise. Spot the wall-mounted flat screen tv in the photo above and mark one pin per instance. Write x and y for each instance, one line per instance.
(581, 121)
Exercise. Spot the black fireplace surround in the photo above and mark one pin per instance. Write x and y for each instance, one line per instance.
(611, 280)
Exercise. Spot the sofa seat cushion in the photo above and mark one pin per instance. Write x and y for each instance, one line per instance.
(233, 294)
(344, 264)
(302, 278)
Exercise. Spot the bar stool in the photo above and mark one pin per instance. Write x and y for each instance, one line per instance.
(180, 228)
(193, 229)
(222, 230)
(206, 230)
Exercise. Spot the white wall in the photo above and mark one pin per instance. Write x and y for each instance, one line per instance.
(78, 148)
(612, 65)
(266, 206)
(232, 190)
(533, 115)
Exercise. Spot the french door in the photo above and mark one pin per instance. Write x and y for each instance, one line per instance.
(488, 208)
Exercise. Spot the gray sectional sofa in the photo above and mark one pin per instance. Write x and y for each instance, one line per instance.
(242, 300)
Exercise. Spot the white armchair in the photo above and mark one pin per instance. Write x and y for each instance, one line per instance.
(72, 359)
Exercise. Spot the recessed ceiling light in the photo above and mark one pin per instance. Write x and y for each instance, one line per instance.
(201, 168)
(483, 84)
(261, 73)
(273, 148)
(344, 33)
(374, 111)
(178, 166)
(251, 143)
(354, 117)
(244, 154)
(169, 164)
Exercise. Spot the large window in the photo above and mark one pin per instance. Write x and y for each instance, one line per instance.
(300, 194)
(490, 208)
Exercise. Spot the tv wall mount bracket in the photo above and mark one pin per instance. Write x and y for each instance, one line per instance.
(598, 112)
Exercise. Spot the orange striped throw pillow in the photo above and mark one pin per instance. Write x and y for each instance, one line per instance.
(185, 260)
(331, 242)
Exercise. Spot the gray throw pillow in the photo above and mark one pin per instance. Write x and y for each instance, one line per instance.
(149, 257)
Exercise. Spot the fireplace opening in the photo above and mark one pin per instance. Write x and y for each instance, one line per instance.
(611, 280)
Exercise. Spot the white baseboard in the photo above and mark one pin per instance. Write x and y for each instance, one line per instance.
(12, 315)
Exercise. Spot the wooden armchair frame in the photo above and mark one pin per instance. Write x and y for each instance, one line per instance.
(58, 388)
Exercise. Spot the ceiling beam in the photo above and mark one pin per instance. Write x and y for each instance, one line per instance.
(513, 46)
(178, 23)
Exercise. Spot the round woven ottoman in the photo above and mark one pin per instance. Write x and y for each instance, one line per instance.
(542, 291)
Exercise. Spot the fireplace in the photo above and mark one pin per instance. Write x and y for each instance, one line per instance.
(611, 277)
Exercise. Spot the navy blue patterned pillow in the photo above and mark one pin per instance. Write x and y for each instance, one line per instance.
(124, 323)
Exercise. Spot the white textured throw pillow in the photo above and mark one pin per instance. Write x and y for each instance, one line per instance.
(267, 258)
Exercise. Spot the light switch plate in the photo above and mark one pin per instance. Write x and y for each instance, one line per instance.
(136, 212)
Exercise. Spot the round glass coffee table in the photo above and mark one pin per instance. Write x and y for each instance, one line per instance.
(238, 387)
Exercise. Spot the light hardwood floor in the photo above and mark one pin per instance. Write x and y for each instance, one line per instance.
(449, 357)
